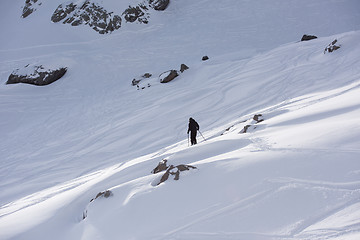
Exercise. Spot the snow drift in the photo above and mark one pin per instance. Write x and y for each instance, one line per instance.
(294, 175)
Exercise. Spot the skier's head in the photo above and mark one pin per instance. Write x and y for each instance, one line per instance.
(191, 119)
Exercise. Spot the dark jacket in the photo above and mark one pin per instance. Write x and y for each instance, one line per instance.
(193, 126)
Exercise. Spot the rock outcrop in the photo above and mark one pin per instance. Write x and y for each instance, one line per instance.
(36, 75)
(205, 58)
(159, 5)
(168, 76)
(308, 37)
(170, 171)
(136, 81)
(183, 67)
(105, 194)
(88, 13)
(332, 47)
(138, 13)
(258, 118)
(94, 15)
(30, 7)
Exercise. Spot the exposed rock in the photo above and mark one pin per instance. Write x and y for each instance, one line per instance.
(88, 13)
(30, 7)
(168, 76)
(159, 5)
(36, 75)
(332, 47)
(147, 75)
(135, 81)
(308, 37)
(160, 167)
(204, 58)
(183, 67)
(138, 13)
(175, 171)
(245, 129)
(170, 170)
(258, 118)
(105, 194)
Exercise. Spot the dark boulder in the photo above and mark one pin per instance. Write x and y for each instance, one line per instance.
(245, 129)
(258, 118)
(183, 67)
(204, 58)
(308, 37)
(168, 76)
(159, 5)
(36, 75)
(147, 75)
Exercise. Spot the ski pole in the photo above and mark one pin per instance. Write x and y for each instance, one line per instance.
(202, 135)
(188, 140)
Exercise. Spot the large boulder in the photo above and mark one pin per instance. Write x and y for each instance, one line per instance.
(36, 75)
(88, 13)
(159, 5)
(168, 76)
(308, 37)
(205, 58)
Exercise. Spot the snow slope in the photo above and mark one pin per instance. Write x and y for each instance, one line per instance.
(293, 176)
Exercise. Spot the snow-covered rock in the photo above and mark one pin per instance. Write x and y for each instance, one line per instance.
(333, 46)
(30, 6)
(88, 13)
(168, 76)
(36, 75)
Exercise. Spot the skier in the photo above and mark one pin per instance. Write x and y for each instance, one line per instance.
(193, 128)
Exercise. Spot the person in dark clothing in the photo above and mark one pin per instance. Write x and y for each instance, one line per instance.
(193, 128)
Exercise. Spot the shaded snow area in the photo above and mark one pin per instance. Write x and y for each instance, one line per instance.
(95, 156)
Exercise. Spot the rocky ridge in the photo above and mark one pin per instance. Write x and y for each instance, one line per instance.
(94, 15)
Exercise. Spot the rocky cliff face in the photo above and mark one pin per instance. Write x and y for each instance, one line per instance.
(92, 14)
(88, 13)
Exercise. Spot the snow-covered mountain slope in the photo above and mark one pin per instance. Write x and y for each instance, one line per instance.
(294, 175)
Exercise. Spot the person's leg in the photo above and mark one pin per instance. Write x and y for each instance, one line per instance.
(193, 138)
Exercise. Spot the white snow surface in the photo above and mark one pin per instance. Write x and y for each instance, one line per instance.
(295, 175)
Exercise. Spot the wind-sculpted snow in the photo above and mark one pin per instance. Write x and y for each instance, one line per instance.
(293, 175)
